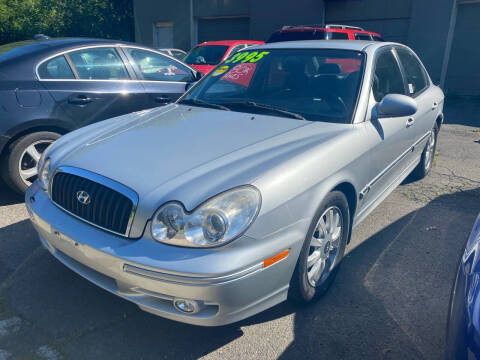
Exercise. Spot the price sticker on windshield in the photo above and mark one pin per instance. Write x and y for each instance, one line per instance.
(247, 57)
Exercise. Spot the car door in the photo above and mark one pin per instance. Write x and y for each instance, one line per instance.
(91, 84)
(390, 137)
(164, 79)
(419, 88)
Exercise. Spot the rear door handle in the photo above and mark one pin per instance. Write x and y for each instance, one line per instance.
(410, 121)
(163, 99)
(79, 99)
(435, 105)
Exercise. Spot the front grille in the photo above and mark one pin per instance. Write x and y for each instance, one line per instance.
(103, 206)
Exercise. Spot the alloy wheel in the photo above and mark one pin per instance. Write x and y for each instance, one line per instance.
(324, 245)
(27, 166)
(429, 151)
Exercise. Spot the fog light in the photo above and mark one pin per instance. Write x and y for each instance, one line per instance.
(186, 306)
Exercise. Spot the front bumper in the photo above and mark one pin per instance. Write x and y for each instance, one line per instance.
(228, 284)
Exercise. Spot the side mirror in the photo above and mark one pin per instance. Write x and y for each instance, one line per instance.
(198, 75)
(396, 105)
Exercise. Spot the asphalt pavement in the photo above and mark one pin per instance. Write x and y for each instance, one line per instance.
(389, 300)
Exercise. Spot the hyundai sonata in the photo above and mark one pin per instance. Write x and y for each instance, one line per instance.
(245, 191)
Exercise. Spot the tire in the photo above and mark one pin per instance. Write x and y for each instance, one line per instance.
(303, 287)
(428, 155)
(18, 158)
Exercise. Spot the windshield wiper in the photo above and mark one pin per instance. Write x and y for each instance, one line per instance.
(270, 108)
(203, 103)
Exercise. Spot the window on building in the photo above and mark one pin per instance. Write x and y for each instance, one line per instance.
(157, 67)
(56, 68)
(337, 36)
(416, 79)
(100, 63)
(387, 77)
(366, 37)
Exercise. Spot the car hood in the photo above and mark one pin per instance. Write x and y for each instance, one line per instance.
(204, 69)
(185, 153)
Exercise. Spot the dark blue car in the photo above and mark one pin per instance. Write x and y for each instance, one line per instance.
(53, 86)
(463, 331)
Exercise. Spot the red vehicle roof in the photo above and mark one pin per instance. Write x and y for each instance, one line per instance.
(230, 42)
(322, 28)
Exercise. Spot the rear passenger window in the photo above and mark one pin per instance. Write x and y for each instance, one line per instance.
(363, 37)
(56, 68)
(377, 38)
(102, 63)
(387, 78)
(416, 79)
(337, 36)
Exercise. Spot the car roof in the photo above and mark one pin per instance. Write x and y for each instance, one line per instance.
(27, 53)
(230, 42)
(171, 49)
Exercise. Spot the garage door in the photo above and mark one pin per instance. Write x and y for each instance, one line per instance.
(223, 29)
(463, 75)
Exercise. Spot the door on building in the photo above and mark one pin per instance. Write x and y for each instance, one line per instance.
(237, 28)
(463, 75)
(163, 35)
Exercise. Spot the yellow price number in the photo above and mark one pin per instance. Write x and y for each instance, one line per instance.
(247, 57)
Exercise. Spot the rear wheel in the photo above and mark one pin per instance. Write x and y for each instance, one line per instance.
(323, 249)
(428, 155)
(20, 163)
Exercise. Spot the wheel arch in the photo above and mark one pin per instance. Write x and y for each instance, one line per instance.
(439, 120)
(350, 193)
(57, 126)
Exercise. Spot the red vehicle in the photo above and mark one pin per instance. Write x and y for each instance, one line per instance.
(205, 56)
(319, 32)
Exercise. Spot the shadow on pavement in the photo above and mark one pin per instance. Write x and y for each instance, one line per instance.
(391, 297)
(389, 300)
(7, 196)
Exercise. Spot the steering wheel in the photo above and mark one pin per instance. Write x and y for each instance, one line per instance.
(200, 60)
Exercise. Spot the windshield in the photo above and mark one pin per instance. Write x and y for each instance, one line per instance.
(311, 84)
(206, 55)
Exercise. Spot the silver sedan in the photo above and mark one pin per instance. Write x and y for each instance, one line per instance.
(245, 191)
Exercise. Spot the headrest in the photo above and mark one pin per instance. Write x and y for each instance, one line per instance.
(329, 68)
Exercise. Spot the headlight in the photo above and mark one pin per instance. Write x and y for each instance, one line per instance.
(216, 222)
(43, 172)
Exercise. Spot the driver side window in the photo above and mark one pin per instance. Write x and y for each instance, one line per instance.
(156, 67)
(387, 78)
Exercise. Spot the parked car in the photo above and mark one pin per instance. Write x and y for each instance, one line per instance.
(319, 32)
(51, 87)
(205, 56)
(176, 53)
(463, 330)
(245, 191)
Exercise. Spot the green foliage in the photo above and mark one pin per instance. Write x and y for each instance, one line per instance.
(21, 19)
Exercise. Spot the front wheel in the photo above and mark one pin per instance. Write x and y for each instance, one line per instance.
(20, 162)
(323, 249)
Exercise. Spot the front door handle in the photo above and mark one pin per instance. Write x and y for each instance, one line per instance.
(163, 99)
(79, 99)
(435, 105)
(410, 121)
